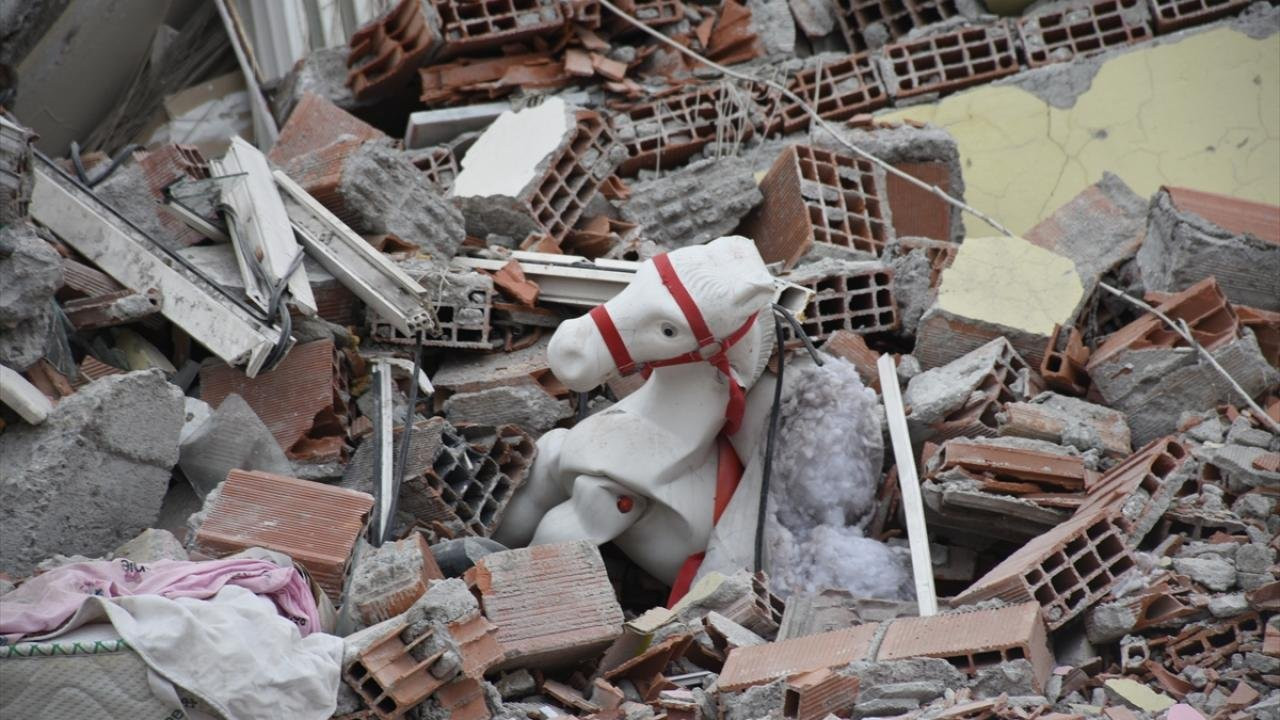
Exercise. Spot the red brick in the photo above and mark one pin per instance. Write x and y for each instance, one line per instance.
(837, 90)
(315, 123)
(897, 17)
(315, 524)
(817, 196)
(666, 130)
(290, 398)
(950, 61)
(1064, 34)
(473, 26)
(761, 664)
(1173, 15)
(974, 640)
(918, 213)
(1241, 216)
(385, 53)
(1065, 570)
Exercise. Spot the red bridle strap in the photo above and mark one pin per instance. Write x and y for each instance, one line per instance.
(702, 333)
(612, 340)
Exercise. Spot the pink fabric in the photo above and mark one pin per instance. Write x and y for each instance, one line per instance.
(43, 603)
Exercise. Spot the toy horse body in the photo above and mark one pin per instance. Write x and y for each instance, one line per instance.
(643, 472)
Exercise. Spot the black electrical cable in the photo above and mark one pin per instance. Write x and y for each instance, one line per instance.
(278, 312)
(115, 163)
(770, 441)
(406, 435)
(779, 314)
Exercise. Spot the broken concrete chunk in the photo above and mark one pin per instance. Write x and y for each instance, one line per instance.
(322, 72)
(384, 194)
(553, 604)
(1098, 229)
(93, 474)
(16, 168)
(525, 404)
(1153, 386)
(1193, 234)
(32, 271)
(999, 286)
(1213, 573)
(694, 204)
(232, 437)
(534, 171)
(386, 581)
(968, 392)
(1067, 421)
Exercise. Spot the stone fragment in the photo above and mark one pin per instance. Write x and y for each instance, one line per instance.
(386, 581)
(94, 474)
(1254, 558)
(1225, 606)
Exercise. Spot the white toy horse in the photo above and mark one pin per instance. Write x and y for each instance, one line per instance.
(655, 471)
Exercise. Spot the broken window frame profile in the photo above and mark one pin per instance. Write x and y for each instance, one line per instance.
(260, 228)
(233, 330)
(576, 280)
(383, 286)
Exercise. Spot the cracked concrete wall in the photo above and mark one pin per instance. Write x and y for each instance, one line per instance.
(1200, 110)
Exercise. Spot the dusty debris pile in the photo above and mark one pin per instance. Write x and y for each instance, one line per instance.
(313, 369)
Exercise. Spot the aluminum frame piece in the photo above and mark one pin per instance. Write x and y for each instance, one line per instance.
(383, 286)
(575, 280)
(227, 329)
(259, 226)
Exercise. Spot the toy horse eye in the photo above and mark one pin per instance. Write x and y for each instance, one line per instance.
(669, 330)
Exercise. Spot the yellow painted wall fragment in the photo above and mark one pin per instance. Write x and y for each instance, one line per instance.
(1011, 282)
(1201, 112)
(1139, 695)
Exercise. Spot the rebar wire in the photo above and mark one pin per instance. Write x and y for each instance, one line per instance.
(1181, 328)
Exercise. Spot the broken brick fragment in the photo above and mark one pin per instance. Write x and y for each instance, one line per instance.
(511, 280)
(553, 604)
(315, 524)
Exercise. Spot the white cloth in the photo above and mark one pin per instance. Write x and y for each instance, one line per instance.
(233, 654)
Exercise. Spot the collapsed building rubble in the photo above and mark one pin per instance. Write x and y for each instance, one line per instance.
(287, 426)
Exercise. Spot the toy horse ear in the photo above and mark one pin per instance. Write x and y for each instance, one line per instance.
(751, 292)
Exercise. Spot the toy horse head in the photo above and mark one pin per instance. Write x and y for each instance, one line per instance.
(651, 323)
